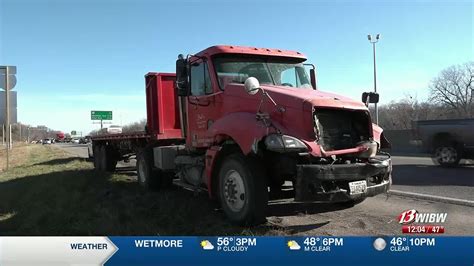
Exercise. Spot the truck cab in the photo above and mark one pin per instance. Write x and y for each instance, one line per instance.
(262, 108)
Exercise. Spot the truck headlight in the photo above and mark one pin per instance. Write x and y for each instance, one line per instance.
(284, 143)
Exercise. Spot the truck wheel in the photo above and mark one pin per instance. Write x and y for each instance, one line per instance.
(97, 155)
(447, 155)
(102, 158)
(110, 161)
(148, 177)
(243, 192)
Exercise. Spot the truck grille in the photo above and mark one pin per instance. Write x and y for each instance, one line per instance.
(341, 129)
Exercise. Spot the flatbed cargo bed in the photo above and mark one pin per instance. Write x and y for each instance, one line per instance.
(122, 136)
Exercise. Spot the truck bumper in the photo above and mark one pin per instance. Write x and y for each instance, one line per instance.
(330, 183)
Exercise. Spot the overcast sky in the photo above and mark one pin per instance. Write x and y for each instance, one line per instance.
(78, 56)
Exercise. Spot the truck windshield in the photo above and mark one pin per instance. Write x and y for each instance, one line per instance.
(268, 71)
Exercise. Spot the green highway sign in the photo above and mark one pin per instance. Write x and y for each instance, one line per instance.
(101, 115)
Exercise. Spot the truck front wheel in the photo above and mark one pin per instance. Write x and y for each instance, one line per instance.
(243, 192)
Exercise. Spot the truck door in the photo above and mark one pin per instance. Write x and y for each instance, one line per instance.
(202, 108)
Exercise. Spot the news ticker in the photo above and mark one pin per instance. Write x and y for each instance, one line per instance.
(237, 250)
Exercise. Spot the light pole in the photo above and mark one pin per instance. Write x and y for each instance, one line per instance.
(373, 42)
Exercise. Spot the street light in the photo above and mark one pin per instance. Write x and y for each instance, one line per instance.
(373, 42)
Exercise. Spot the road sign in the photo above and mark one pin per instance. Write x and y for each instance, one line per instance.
(101, 115)
(73, 132)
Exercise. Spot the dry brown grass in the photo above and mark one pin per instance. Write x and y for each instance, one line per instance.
(51, 192)
(17, 156)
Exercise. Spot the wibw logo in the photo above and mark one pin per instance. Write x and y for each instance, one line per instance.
(413, 216)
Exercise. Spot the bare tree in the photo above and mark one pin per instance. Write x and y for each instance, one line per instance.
(453, 88)
(135, 127)
(400, 114)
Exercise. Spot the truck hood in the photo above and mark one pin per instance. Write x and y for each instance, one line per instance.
(298, 98)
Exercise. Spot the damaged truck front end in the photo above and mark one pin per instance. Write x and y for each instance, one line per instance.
(355, 168)
(343, 164)
(346, 181)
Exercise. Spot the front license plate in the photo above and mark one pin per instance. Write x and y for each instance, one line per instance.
(357, 187)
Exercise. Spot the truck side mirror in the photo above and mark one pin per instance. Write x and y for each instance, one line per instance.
(252, 85)
(312, 75)
(370, 97)
(182, 76)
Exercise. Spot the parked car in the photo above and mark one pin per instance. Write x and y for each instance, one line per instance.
(46, 141)
(75, 141)
(448, 140)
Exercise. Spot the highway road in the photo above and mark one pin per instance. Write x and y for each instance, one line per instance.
(378, 215)
(421, 175)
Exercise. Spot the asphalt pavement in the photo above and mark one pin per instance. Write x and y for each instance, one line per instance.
(421, 175)
(79, 150)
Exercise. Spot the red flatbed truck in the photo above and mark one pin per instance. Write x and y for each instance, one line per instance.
(239, 122)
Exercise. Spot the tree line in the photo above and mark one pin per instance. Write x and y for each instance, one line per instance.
(450, 97)
(23, 132)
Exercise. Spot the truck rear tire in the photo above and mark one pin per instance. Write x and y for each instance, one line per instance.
(102, 158)
(242, 190)
(99, 158)
(97, 155)
(149, 178)
(110, 161)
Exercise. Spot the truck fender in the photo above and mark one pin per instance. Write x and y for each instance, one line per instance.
(380, 138)
(243, 128)
(214, 156)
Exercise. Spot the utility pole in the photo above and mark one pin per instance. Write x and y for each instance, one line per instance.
(11, 137)
(373, 42)
(7, 117)
(9, 72)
